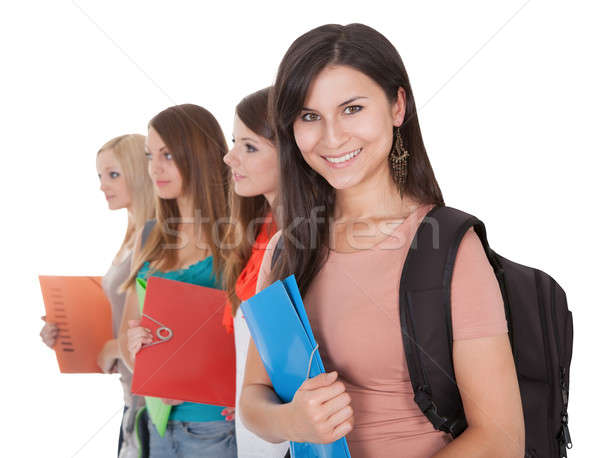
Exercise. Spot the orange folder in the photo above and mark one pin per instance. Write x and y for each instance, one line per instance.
(192, 357)
(78, 306)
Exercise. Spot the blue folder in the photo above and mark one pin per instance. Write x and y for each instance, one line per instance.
(281, 332)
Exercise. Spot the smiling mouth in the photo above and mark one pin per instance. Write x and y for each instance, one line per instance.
(161, 183)
(344, 158)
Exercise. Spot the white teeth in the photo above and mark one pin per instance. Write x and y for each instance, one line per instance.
(347, 157)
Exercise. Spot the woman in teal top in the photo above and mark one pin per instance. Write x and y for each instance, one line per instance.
(200, 274)
(185, 148)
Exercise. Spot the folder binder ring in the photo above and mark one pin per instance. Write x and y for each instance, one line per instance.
(163, 333)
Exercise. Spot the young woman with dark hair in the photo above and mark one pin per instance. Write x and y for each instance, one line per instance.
(252, 193)
(356, 183)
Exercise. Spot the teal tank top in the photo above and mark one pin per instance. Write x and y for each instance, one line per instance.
(200, 274)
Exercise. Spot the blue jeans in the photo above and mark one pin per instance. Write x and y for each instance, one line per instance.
(205, 439)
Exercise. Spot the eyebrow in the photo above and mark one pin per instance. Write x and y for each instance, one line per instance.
(147, 150)
(341, 104)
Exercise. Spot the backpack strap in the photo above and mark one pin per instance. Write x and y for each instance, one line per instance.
(425, 315)
(148, 226)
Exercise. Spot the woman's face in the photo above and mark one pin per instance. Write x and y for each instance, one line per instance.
(253, 163)
(345, 129)
(161, 167)
(112, 181)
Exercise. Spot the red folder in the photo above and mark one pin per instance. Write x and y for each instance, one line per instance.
(192, 357)
(78, 306)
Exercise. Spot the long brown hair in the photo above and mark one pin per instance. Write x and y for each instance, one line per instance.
(307, 199)
(253, 112)
(194, 138)
(129, 152)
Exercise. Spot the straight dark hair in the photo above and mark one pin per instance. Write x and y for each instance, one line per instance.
(307, 199)
(246, 211)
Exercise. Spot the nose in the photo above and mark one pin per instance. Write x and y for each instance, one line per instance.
(102, 185)
(154, 167)
(231, 158)
(334, 136)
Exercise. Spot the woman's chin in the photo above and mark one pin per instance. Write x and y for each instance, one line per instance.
(343, 181)
(246, 191)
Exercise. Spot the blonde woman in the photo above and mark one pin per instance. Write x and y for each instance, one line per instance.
(121, 167)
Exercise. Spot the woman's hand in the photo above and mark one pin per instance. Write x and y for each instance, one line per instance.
(228, 413)
(136, 337)
(49, 333)
(320, 411)
(108, 356)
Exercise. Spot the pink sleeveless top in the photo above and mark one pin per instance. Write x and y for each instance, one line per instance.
(352, 305)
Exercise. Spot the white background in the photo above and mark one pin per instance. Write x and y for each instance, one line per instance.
(508, 104)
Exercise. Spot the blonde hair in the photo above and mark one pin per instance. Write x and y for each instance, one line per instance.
(129, 153)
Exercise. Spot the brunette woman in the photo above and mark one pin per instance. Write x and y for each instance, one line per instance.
(185, 148)
(355, 185)
(254, 174)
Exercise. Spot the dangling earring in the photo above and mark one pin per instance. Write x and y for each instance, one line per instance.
(399, 159)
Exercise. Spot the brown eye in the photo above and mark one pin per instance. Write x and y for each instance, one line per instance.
(310, 117)
(352, 109)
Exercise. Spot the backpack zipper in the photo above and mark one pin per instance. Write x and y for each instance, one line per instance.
(564, 436)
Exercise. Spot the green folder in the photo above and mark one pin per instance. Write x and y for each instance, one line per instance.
(158, 411)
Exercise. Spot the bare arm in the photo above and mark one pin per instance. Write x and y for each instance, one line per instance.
(320, 411)
(107, 358)
(131, 311)
(262, 411)
(487, 381)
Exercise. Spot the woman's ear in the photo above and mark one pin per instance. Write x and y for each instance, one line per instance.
(399, 107)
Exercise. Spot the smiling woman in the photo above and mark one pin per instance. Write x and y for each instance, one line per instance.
(346, 123)
(334, 136)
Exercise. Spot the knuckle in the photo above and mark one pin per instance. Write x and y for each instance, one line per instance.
(311, 402)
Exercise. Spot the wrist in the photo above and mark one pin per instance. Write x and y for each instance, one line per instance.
(110, 349)
(286, 421)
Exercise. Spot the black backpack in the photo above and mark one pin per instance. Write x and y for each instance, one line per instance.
(540, 329)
